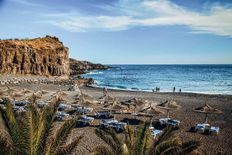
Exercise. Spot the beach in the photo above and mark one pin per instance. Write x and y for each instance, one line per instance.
(188, 101)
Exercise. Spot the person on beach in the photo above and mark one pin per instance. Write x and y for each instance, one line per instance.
(174, 89)
(179, 90)
(105, 91)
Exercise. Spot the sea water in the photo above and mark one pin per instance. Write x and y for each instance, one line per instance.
(210, 79)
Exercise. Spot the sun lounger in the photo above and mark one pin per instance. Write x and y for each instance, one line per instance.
(84, 110)
(100, 114)
(41, 104)
(85, 120)
(214, 130)
(21, 103)
(156, 132)
(19, 109)
(169, 121)
(63, 106)
(118, 126)
(60, 115)
(201, 127)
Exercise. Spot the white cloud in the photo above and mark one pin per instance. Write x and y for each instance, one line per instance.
(25, 2)
(217, 20)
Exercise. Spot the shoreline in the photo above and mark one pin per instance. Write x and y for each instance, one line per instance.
(162, 92)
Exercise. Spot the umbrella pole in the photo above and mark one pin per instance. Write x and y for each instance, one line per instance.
(206, 118)
(134, 113)
(168, 113)
(151, 121)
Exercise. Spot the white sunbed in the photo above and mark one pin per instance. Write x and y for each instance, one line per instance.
(214, 130)
(169, 121)
(201, 127)
(156, 132)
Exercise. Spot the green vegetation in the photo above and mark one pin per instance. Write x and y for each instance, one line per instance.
(34, 132)
(141, 142)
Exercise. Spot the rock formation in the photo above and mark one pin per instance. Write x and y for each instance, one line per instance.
(81, 67)
(41, 56)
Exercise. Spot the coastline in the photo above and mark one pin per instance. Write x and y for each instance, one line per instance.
(162, 92)
(200, 79)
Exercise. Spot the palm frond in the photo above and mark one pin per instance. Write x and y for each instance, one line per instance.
(6, 142)
(61, 136)
(110, 137)
(166, 147)
(130, 138)
(13, 127)
(190, 146)
(68, 149)
(142, 139)
(5, 138)
(165, 135)
(103, 150)
(46, 120)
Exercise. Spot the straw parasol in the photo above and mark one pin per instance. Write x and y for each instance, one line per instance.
(136, 103)
(26, 91)
(10, 90)
(85, 100)
(17, 95)
(168, 105)
(207, 109)
(115, 106)
(2, 93)
(44, 92)
(150, 111)
(63, 93)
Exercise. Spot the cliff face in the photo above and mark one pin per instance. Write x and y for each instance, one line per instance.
(40, 56)
(80, 67)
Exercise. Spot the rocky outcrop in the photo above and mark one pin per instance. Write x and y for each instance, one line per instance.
(81, 67)
(41, 56)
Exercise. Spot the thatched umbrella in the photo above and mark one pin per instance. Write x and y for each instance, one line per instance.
(63, 94)
(10, 90)
(26, 91)
(108, 100)
(44, 92)
(150, 111)
(115, 106)
(168, 105)
(207, 109)
(139, 102)
(136, 103)
(17, 95)
(2, 93)
(85, 100)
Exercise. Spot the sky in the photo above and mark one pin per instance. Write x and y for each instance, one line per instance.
(127, 31)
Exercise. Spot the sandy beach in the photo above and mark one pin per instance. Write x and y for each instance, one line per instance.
(188, 101)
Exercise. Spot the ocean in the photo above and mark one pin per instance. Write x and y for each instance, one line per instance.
(208, 79)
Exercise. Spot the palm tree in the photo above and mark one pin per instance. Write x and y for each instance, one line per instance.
(168, 143)
(111, 138)
(31, 132)
(141, 142)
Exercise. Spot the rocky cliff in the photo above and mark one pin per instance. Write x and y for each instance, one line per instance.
(41, 56)
(81, 67)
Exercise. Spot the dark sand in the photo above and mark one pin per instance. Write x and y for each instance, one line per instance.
(188, 101)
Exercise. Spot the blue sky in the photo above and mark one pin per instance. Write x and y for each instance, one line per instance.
(127, 31)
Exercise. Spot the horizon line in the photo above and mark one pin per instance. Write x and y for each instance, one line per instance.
(166, 64)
